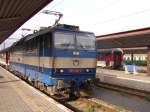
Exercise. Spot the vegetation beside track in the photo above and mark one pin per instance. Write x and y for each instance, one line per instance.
(138, 63)
(95, 105)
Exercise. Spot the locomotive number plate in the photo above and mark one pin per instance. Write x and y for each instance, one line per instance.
(75, 70)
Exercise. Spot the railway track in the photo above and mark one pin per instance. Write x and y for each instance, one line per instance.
(78, 104)
(139, 93)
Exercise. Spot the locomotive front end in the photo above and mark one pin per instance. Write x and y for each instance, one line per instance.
(74, 57)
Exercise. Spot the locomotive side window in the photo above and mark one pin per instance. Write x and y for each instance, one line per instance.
(32, 44)
(41, 45)
(44, 43)
(47, 41)
(28, 46)
(35, 46)
(64, 40)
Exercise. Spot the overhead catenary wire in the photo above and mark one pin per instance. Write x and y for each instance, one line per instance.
(117, 18)
(109, 5)
(57, 4)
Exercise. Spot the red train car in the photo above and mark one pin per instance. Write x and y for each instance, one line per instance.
(111, 58)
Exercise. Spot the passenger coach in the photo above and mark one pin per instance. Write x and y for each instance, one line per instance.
(110, 58)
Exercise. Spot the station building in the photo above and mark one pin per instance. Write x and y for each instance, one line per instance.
(138, 54)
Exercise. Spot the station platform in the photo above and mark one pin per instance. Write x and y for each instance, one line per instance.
(18, 96)
(139, 81)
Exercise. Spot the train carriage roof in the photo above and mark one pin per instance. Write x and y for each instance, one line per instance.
(60, 27)
(38, 33)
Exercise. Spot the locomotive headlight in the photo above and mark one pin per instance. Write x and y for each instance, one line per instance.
(87, 70)
(77, 53)
(74, 53)
(61, 70)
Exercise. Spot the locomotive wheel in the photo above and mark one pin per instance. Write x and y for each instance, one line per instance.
(36, 84)
(41, 86)
(51, 90)
(77, 94)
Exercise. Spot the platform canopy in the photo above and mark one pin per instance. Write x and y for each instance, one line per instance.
(13, 13)
(127, 39)
(136, 50)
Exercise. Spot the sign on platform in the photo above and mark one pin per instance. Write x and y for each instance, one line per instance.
(130, 69)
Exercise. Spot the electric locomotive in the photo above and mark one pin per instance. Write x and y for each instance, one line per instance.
(62, 58)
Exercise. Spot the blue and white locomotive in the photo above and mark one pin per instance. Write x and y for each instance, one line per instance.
(60, 57)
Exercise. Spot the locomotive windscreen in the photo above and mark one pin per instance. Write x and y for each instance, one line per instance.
(85, 41)
(80, 41)
(64, 40)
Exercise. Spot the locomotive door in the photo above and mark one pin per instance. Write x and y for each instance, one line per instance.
(44, 53)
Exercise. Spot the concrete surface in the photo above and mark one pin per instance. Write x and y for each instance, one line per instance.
(18, 96)
(139, 81)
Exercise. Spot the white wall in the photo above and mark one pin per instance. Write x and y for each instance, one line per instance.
(136, 57)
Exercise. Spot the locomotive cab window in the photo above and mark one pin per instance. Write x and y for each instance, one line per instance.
(64, 40)
(85, 41)
(78, 41)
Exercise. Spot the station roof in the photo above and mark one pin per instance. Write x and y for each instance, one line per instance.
(137, 50)
(127, 39)
(14, 13)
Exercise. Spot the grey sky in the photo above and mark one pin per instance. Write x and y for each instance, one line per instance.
(98, 16)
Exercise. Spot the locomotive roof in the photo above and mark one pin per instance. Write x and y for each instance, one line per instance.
(41, 32)
(50, 29)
